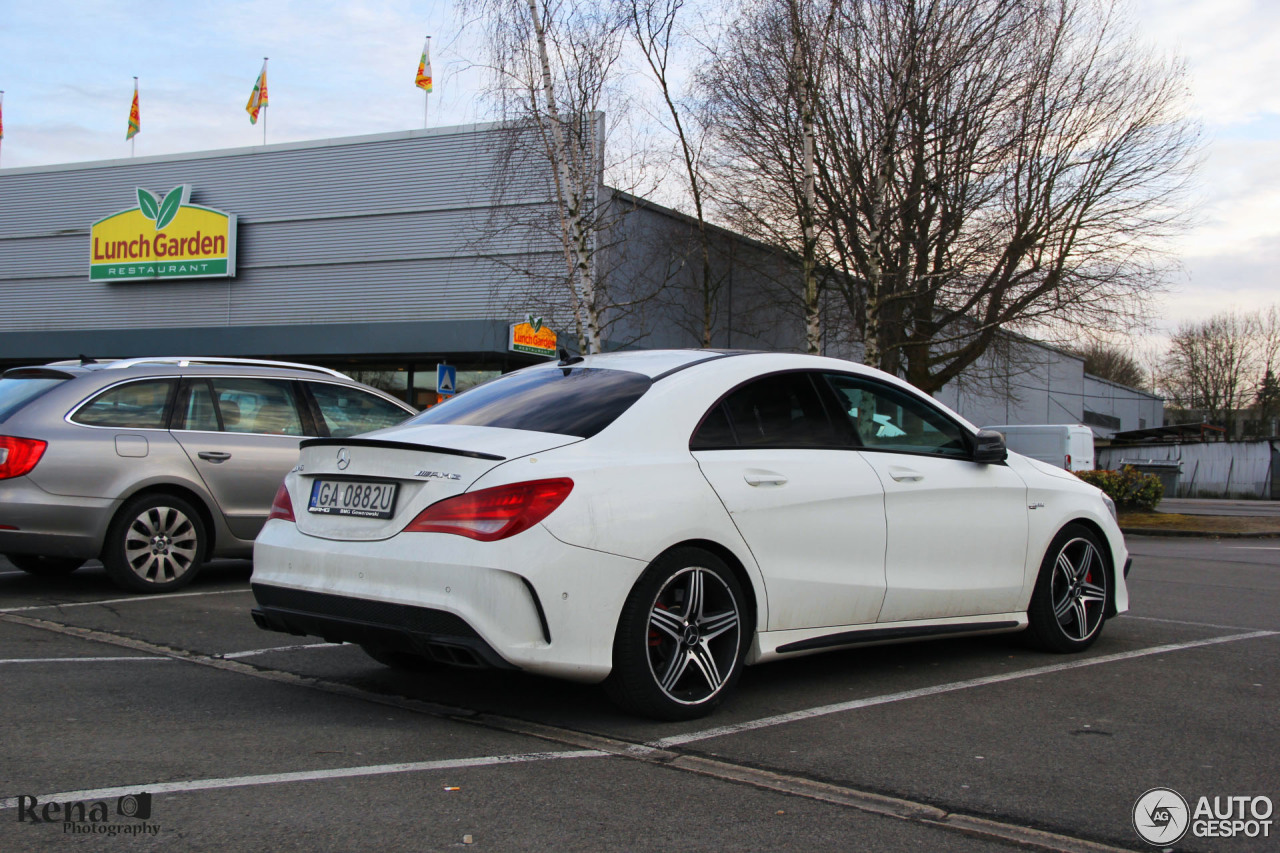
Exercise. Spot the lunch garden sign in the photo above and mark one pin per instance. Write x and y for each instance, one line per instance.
(164, 237)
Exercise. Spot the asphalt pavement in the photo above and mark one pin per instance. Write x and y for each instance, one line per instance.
(247, 740)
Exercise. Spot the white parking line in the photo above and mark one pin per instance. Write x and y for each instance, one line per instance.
(303, 776)
(1193, 624)
(252, 652)
(78, 660)
(135, 598)
(853, 705)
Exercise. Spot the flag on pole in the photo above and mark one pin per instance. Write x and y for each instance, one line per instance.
(424, 67)
(258, 98)
(135, 119)
(1, 115)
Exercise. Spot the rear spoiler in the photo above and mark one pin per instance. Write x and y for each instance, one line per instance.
(398, 445)
(37, 373)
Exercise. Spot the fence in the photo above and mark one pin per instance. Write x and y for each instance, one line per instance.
(1220, 469)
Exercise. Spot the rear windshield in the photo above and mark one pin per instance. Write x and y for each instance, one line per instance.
(16, 393)
(570, 401)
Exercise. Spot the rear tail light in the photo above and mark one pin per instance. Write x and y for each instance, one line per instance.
(496, 513)
(19, 455)
(282, 506)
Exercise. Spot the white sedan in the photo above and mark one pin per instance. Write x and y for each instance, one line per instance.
(656, 520)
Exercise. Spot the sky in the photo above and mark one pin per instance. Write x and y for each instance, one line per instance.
(346, 68)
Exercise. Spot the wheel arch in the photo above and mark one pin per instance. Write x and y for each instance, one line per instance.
(735, 565)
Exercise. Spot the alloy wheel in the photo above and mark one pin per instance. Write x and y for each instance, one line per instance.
(161, 544)
(1079, 593)
(694, 635)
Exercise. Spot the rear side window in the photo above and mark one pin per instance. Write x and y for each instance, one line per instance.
(133, 405)
(347, 411)
(779, 411)
(569, 401)
(16, 393)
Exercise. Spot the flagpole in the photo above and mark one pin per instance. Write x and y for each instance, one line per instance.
(1, 118)
(133, 140)
(426, 96)
(264, 106)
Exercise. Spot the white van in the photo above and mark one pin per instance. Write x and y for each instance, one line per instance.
(1068, 446)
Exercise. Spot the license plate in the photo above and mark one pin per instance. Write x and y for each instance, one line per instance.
(360, 499)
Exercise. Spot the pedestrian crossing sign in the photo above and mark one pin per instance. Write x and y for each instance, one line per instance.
(446, 380)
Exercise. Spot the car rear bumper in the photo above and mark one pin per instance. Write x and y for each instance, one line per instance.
(33, 521)
(435, 634)
(529, 602)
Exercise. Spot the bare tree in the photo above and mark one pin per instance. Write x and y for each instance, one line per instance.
(1267, 387)
(653, 26)
(1111, 362)
(1210, 366)
(982, 165)
(551, 64)
(760, 93)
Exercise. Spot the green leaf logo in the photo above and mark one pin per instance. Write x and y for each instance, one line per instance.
(148, 203)
(534, 322)
(168, 208)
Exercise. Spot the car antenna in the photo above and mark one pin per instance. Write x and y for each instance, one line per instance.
(84, 359)
(566, 359)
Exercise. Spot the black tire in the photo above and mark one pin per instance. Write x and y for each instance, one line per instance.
(681, 639)
(156, 543)
(1069, 604)
(401, 661)
(48, 567)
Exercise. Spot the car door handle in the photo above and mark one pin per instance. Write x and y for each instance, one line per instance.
(904, 475)
(764, 478)
(214, 455)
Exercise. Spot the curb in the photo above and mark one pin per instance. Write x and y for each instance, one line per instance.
(1157, 531)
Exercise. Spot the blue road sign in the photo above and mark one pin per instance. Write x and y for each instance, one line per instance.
(446, 380)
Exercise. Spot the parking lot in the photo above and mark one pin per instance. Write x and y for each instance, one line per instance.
(245, 740)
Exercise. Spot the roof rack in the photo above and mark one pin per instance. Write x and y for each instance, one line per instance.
(184, 361)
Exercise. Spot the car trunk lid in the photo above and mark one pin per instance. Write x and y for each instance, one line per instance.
(370, 487)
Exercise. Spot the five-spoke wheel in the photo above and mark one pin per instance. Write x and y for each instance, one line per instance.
(681, 638)
(155, 544)
(1069, 604)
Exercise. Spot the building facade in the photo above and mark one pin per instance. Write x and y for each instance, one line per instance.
(376, 255)
(385, 256)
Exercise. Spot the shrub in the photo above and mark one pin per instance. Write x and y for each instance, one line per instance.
(1128, 487)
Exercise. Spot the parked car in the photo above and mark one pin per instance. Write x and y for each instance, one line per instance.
(656, 520)
(1065, 446)
(156, 464)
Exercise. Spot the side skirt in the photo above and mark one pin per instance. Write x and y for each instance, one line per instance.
(775, 645)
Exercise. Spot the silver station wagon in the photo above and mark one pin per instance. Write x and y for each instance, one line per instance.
(154, 465)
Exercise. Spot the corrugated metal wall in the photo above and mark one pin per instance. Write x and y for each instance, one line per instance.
(1220, 469)
(383, 228)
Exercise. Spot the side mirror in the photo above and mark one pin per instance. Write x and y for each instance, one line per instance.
(989, 447)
